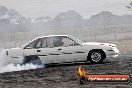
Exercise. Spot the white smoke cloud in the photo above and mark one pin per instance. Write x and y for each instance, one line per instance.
(7, 66)
(18, 67)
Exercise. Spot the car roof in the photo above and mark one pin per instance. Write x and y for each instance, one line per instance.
(50, 36)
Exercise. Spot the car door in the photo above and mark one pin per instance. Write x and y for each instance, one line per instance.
(45, 51)
(29, 49)
(69, 49)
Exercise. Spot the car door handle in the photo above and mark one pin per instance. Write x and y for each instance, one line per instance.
(38, 50)
(59, 49)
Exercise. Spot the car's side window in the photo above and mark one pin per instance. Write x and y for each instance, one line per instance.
(57, 41)
(31, 45)
(44, 43)
(50, 42)
(63, 41)
(41, 43)
(38, 44)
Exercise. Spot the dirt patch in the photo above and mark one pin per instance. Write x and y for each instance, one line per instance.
(65, 76)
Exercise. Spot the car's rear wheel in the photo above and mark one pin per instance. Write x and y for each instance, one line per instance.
(96, 56)
(32, 60)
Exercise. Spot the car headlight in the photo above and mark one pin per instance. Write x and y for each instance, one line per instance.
(115, 50)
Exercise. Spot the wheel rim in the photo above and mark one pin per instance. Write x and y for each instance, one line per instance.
(96, 57)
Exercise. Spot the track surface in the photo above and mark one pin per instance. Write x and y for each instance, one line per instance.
(65, 76)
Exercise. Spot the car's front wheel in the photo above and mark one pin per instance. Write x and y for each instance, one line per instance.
(96, 56)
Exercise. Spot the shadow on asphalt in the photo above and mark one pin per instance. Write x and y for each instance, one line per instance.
(74, 64)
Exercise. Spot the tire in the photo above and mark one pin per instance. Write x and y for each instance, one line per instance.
(32, 60)
(96, 56)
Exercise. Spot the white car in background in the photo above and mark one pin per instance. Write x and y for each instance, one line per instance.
(61, 49)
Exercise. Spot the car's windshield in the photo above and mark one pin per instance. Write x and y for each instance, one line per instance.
(76, 39)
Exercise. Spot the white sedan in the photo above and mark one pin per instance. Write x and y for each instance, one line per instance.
(61, 49)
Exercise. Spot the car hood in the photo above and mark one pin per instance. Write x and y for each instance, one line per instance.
(98, 43)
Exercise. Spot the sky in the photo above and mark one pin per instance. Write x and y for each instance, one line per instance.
(87, 8)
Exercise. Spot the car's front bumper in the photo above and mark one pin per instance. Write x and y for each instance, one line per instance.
(112, 53)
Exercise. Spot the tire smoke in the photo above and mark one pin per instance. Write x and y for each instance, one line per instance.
(6, 64)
